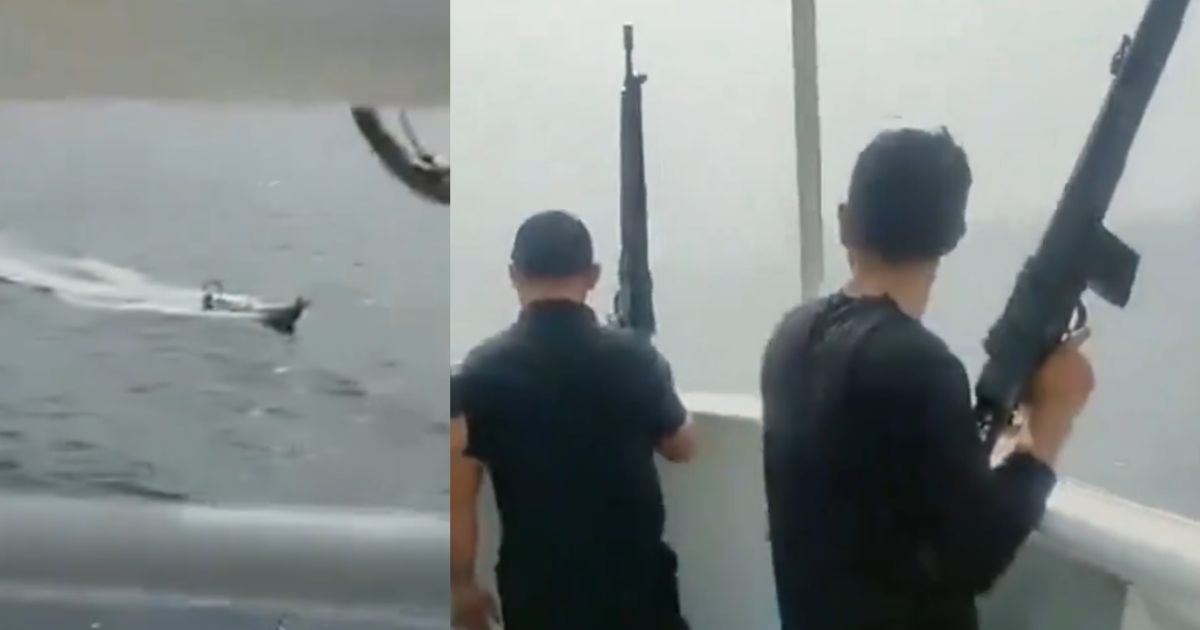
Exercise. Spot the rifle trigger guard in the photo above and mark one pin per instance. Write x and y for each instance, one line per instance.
(1079, 318)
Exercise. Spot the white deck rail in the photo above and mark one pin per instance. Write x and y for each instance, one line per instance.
(369, 563)
(1099, 562)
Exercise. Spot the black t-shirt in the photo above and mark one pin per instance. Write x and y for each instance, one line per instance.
(884, 511)
(566, 414)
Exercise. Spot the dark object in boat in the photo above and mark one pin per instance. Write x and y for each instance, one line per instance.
(282, 319)
(415, 167)
(1077, 252)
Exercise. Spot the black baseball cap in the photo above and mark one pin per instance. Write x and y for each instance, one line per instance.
(552, 244)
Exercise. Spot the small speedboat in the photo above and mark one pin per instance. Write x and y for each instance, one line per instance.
(278, 317)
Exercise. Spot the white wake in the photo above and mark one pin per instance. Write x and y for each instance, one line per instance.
(91, 283)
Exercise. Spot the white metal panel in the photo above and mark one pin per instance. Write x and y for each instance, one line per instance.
(1156, 552)
(716, 509)
(122, 551)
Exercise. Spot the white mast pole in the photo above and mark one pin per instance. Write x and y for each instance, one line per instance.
(808, 147)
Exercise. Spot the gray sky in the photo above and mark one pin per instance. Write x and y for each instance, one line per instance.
(535, 85)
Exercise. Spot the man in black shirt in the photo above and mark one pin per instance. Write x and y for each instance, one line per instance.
(565, 416)
(884, 510)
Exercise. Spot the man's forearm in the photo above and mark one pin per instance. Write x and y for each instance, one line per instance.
(464, 538)
(465, 478)
(985, 527)
(679, 446)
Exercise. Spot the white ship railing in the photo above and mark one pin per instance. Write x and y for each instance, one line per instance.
(1099, 562)
(368, 563)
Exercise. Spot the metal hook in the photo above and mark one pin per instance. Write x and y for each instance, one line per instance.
(411, 135)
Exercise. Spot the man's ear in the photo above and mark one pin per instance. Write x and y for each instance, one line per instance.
(593, 276)
(845, 225)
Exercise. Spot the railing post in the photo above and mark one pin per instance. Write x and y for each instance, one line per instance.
(1047, 590)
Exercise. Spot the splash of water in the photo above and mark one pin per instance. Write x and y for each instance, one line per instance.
(92, 283)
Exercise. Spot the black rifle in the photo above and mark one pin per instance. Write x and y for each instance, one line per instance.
(633, 305)
(1077, 252)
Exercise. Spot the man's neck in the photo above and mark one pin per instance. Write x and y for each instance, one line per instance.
(531, 298)
(909, 292)
(553, 304)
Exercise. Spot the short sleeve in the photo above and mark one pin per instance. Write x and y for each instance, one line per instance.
(464, 403)
(659, 402)
(458, 391)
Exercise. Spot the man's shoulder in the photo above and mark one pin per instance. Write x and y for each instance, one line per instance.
(828, 317)
(905, 340)
(630, 349)
(623, 339)
(488, 352)
(904, 353)
(800, 317)
(887, 333)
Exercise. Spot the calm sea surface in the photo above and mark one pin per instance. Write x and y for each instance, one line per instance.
(115, 384)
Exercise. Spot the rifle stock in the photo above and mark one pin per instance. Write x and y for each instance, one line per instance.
(633, 305)
(1077, 252)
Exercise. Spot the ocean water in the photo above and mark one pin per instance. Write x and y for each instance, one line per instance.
(115, 384)
(151, 201)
